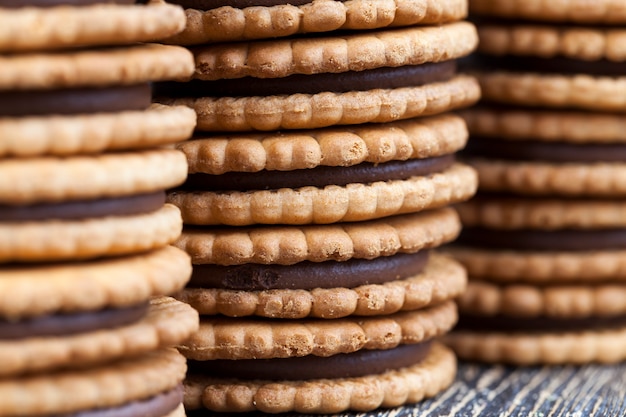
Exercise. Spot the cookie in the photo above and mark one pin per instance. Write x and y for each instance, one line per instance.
(379, 76)
(150, 382)
(55, 26)
(209, 22)
(325, 290)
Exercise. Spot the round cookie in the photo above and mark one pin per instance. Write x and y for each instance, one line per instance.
(209, 22)
(96, 23)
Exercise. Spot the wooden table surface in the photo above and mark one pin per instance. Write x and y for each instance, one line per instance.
(501, 391)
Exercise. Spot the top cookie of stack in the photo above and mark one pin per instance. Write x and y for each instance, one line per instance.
(320, 174)
(85, 256)
(544, 239)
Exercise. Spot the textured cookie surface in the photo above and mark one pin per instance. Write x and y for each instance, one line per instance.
(51, 179)
(86, 134)
(230, 23)
(82, 239)
(579, 11)
(285, 151)
(335, 54)
(288, 245)
(608, 346)
(250, 338)
(330, 204)
(107, 386)
(390, 389)
(442, 279)
(311, 111)
(167, 323)
(95, 68)
(100, 24)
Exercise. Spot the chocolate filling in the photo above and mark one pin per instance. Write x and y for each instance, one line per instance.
(12, 4)
(238, 4)
(75, 100)
(156, 406)
(309, 275)
(553, 65)
(537, 324)
(528, 150)
(343, 365)
(406, 76)
(75, 210)
(538, 240)
(320, 176)
(71, 323)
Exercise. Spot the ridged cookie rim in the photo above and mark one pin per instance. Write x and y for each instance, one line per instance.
(287, 245)
(106, 386)
(284, 151)
(167, 323)
(66, 26)
(254, 338)
(420, 381)
(32, 136)
(89, 238)
(228, 23)
(312, 111)
(50, 179)
(442, 279)
(127, 65)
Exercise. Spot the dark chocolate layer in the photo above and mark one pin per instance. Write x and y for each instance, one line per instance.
(320, 176)
(157, 406)
(51, 3)
(238, 4)
(309, 275)
(538, 240)
(537, 324)
(343, 365)
(75, 101)
(387, 78)
(69, 324)
(528, 150)
(553, 65)
(75, 210)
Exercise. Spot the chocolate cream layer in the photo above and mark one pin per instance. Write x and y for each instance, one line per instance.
(52, 3)
(156, 406)
(553, 65)
(385, 78)
(320, 176)
(543, 240)
(529, 150)
(343, 365)
(55, 325)
(537, 324)
(76, 210)
(238, 4)
(75, 100)
(309, 275)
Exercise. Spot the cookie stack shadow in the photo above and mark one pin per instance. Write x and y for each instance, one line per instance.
(544, 239)
(87, 324)
(321, 175)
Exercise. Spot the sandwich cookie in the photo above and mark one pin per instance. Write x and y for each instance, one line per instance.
(301, 83)
(221, 21)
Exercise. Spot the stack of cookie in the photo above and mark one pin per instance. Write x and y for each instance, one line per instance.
(544, 241)
(86, 265)
(320, 176)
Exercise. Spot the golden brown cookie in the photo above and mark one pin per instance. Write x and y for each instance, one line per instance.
(87, 134)
(442, 279)
(288, 245)
(230, 23)
(167, 323)
(107, 387)
(68, 26)
(389, 389)
(250, 338)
